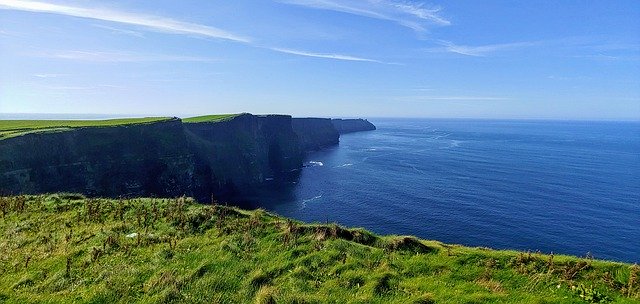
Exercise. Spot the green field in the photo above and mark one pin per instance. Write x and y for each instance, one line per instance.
(10, 128)
(210, 118)
(68, 249)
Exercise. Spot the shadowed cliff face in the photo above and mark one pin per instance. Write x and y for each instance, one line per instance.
(228, 160)
(352, 125)
(315, 133)
(233, 157)
(134, 160)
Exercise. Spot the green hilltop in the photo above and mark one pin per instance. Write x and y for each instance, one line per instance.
(210, 118)
(11, 128)
(66, 248)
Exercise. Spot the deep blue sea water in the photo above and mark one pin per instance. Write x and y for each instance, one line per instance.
(554, 186)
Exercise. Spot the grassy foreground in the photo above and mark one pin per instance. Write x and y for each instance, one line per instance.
(65, 248)
(10, 128)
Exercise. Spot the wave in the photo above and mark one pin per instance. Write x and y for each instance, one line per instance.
(344, 165)
(453, 144)
(311, 199)
(305, 201)
(315, 164)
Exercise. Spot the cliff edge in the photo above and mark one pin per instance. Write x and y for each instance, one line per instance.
(344, 126)
(315, 133)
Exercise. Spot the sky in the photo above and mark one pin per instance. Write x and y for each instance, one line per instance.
(565, 59)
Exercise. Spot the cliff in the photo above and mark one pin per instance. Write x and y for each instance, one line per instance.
(352, 125)
(131, 160)
(234, 156)
(315, 133)
(224, 156)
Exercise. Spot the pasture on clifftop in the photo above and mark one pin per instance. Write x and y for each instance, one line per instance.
(65, 248)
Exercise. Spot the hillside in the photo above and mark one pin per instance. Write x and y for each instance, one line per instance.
(66, 248)
(210, 118)
(11, 128)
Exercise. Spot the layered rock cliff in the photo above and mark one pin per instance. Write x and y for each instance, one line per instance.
(225, 159)
(132, 160)
(352, 125)
(315, 133)
(233, 156)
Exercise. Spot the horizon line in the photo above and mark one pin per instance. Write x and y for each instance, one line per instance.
(183, 115)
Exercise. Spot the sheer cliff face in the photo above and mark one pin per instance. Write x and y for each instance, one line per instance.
(315, 133)
(150, 159)
(233, 157)
(352, 125)
(227, 159)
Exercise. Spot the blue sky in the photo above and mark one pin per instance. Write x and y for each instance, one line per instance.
(362, 58)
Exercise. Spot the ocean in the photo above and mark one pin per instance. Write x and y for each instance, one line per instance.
(567, 187)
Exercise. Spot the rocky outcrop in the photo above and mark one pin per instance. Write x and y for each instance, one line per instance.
(352, 125)
(315, 133)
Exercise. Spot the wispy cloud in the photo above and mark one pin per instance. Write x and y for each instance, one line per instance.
(452, 98)
(327, 56)
(414, 15)
(9, 33)
(112, 57)
(425, 89)
(50, 75)
(94, 56)
(481, 50)
(155, 23)
(119, 31)
(569, 78)
(74, 89)
(162, 24)
(69, 88)
(606, 57)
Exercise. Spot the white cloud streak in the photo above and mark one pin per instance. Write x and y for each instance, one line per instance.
(119, 31)
(50, 75)
(327, 56)
(412, 15)
(92, 56)
(482, 50)
(156, 23)
(452, 98)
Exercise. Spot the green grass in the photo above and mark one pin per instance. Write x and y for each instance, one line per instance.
(10, 128)
(67, 249)
(210, 118)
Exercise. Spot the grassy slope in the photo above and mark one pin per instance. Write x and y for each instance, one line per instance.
(210, 118)
(62, 248)
(10, 128)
